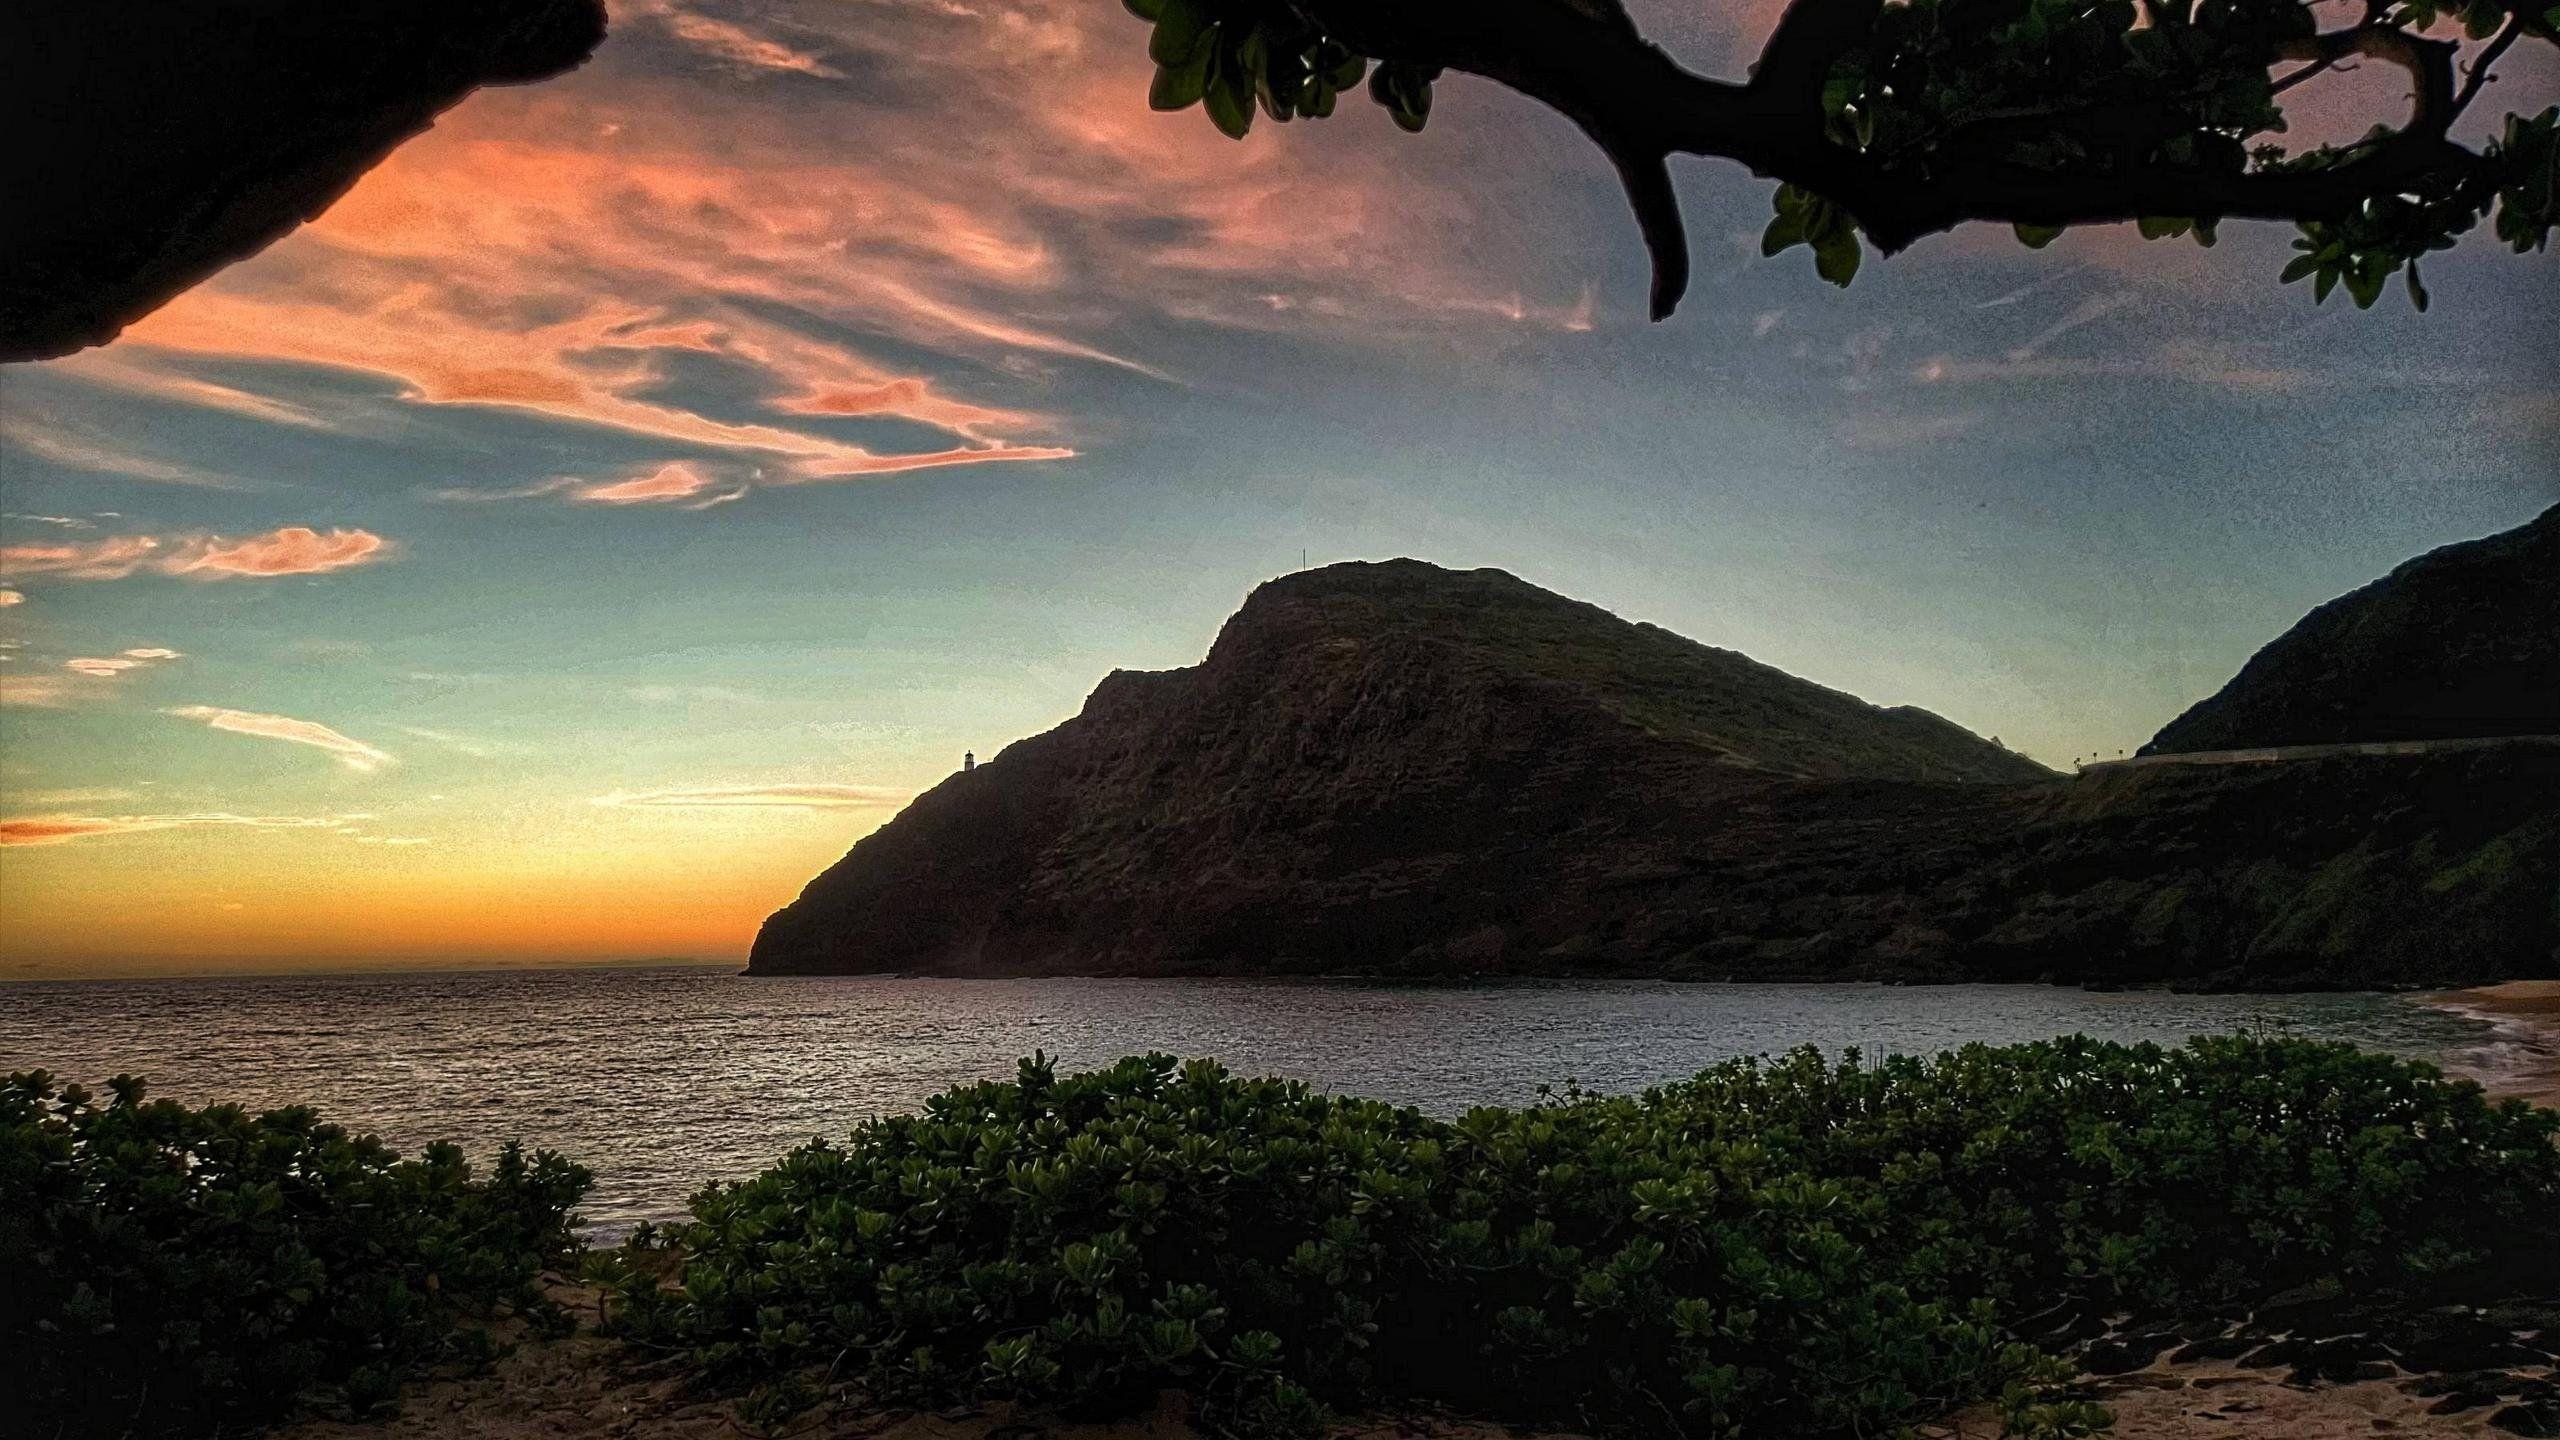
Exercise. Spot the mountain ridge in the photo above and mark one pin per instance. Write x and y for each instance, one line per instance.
(1399, 770)
(2462, 642)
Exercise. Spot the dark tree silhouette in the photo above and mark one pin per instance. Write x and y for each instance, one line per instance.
(1886, 122)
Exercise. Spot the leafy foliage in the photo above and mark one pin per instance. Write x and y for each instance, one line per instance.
(2028, 101)
(1229, 57)
(165, 1270)
(1793, 1248)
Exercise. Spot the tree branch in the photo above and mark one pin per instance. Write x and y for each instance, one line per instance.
(1585, 59)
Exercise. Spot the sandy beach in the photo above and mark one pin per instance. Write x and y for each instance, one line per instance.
(2522, 1057)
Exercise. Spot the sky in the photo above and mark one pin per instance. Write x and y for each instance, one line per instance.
(638, 487)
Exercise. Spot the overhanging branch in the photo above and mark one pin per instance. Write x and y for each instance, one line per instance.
(1585, 59)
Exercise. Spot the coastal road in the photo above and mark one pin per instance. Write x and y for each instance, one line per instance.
(2277, 754)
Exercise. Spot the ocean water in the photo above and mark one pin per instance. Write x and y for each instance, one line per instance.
(663, 1079)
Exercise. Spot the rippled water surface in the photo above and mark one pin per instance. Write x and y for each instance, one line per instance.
(661, 1079)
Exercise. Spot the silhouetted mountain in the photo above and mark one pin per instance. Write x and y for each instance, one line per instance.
(153, 145)
(2460, 642)
(1400, 770)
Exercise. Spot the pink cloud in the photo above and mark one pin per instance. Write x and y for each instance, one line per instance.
(786, 797)
(61, 829)
(352, 753)
(740, 46)
(292, 550)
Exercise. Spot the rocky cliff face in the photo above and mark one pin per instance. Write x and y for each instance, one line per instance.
(2460, 642)
(151, 146)
(1396, 769)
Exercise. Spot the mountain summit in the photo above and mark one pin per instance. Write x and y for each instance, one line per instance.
(2460, 643)
(1396, 769)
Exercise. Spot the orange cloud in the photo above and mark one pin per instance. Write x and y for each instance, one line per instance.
(557, 249)
(60, 829)
(892, 464)
(42, 692)
(352, 753)
(108, 667)
(666, 484)
(292, 550)
(787, 797)
(90, 560)
(11, 597)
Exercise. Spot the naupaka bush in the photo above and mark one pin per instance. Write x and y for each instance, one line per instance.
(167, 1270)
(1800, 1247)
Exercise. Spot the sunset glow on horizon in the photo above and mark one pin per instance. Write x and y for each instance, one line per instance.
(644, 483)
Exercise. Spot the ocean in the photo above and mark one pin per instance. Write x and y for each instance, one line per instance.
(663, 1079)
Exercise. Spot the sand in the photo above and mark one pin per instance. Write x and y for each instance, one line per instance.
(2522, 1056)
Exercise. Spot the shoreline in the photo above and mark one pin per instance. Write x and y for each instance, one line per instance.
(2520, 1058)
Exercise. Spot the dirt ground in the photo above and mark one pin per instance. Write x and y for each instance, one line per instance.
(587, 1388)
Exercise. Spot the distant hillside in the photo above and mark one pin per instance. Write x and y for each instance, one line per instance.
(1396, 769)
(2460, 642)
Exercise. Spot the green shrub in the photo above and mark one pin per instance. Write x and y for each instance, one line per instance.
(1795, 1248)
(173, 1271)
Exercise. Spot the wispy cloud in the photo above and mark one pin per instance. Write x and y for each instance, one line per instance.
(1882, 430)
(2087, 312)
(680, 483)
(738, 45)
(61, 829)
(108, 666)
(44, 692)
(354, 754)
(459, 744)
(60, 444)
(692, 694)
(2220, 367)
(785, 797)
(120, 369)
(292, 550)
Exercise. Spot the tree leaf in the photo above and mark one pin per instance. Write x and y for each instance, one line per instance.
(1178, 87)
(1229, 99)
(1836, 255)
(1185, 29)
